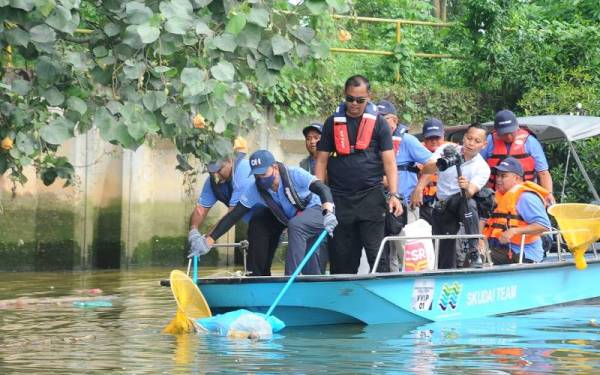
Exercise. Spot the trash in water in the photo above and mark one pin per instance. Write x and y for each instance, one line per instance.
(92, 304)
(242, 324)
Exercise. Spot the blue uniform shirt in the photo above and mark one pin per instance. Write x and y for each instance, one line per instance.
(410, 151)
(241, 179)
(532, 146)
(300, 179)
(532, 210)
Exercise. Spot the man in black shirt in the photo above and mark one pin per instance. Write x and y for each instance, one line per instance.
(355, 152)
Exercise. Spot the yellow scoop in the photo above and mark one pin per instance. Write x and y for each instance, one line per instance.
(191, 304)
(579, 225)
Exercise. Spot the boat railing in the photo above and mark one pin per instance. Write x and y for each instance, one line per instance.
(436, 242)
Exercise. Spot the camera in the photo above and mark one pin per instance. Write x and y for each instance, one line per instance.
(451, 157)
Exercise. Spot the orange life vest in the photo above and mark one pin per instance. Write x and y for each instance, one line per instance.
(431, 189)
(505, 215)
(517, 151)
(363, 136)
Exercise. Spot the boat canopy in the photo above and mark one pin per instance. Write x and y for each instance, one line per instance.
(559, 127)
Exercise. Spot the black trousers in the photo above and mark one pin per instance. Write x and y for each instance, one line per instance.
(361, 219)
(426, 212)
(264, 233)
(446, 218)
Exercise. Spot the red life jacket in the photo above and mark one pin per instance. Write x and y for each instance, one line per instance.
(364, 134)
(517, 151)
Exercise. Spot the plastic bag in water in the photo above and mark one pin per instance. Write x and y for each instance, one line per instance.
(242, 324)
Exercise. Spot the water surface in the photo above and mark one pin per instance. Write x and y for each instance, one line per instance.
(46, 333)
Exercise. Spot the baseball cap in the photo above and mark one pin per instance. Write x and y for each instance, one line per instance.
(433, 128)
(510, 164)
(215, 166)
(385, 107)
(260, 161)
(313, 126)
(505, 122)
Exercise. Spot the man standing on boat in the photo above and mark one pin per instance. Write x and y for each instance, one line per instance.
(296, 198)
(519, 218)
(355, 152)
(455, 193)
(409, 153)
(508, 139)
(312, 135)
(228, 178)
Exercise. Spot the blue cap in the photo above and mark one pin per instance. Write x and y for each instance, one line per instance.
(386, 108)
(433, 128)
(215, 166)
(260, 161)
(505, 122)
(510, 164)
(313, 126)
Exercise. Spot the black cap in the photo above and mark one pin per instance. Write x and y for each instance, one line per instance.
(385, 107)
(512, 165)
(313, 126)
(505, 122)
(433, 128)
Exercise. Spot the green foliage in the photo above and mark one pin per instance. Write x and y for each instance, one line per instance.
(142, 68)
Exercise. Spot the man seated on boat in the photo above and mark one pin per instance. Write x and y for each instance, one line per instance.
(519, 218)
(508, 139)
(228, 178)
(296, 198)
(409, 153)
(312, 135)
(455, 193)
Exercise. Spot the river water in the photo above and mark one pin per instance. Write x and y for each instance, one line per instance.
(46, 331)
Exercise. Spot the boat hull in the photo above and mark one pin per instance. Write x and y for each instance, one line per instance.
(407, 297)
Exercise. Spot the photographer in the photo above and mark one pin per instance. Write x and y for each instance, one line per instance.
(462, 173)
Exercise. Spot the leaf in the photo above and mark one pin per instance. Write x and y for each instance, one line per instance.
(281, 44)
(53, 96)
(57, 132)
(77, 105)
(202, 28)
(236, 23)
(26, 5)
(148, 34)
(179, 16)
(134, 70)
(111, 29)
(223, 71)
(17, 36)
(106, 124)
(20, 86)
(264, 76)
(316, 7)
(259, 16)
(194, 81)
(42, 34)
(25, 142)
(219, 125)
(154, 100)
(62, 20)
(100, 51)
(305, 34)
(225, 42)
(137, 13)
(250, 37)
(340, 6)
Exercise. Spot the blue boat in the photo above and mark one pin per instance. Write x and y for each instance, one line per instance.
(430, 296)
(408, 297)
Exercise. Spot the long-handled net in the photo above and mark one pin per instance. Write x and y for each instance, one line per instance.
(579, 225)
(191, 304)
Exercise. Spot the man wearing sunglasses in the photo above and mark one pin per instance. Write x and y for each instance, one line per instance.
(355, 152)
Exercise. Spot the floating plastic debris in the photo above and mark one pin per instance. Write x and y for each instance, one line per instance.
(92, 304)
(242, 324)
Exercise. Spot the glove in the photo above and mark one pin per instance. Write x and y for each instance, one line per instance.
(198, 244)
(330, 222)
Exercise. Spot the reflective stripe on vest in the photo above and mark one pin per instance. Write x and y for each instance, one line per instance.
(505, 215)
(364, 135)
(517, 151)
(430, 190)
(290, 193)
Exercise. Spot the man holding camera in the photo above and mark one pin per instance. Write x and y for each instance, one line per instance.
(462, 173)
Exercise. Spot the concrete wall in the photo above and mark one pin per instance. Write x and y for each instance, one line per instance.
(127, 208)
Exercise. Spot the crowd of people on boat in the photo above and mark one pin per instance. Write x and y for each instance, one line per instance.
(365, 177)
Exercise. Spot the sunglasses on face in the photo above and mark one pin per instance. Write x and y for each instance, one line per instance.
(358, 99)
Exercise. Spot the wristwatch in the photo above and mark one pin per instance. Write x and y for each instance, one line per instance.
(396, 195)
